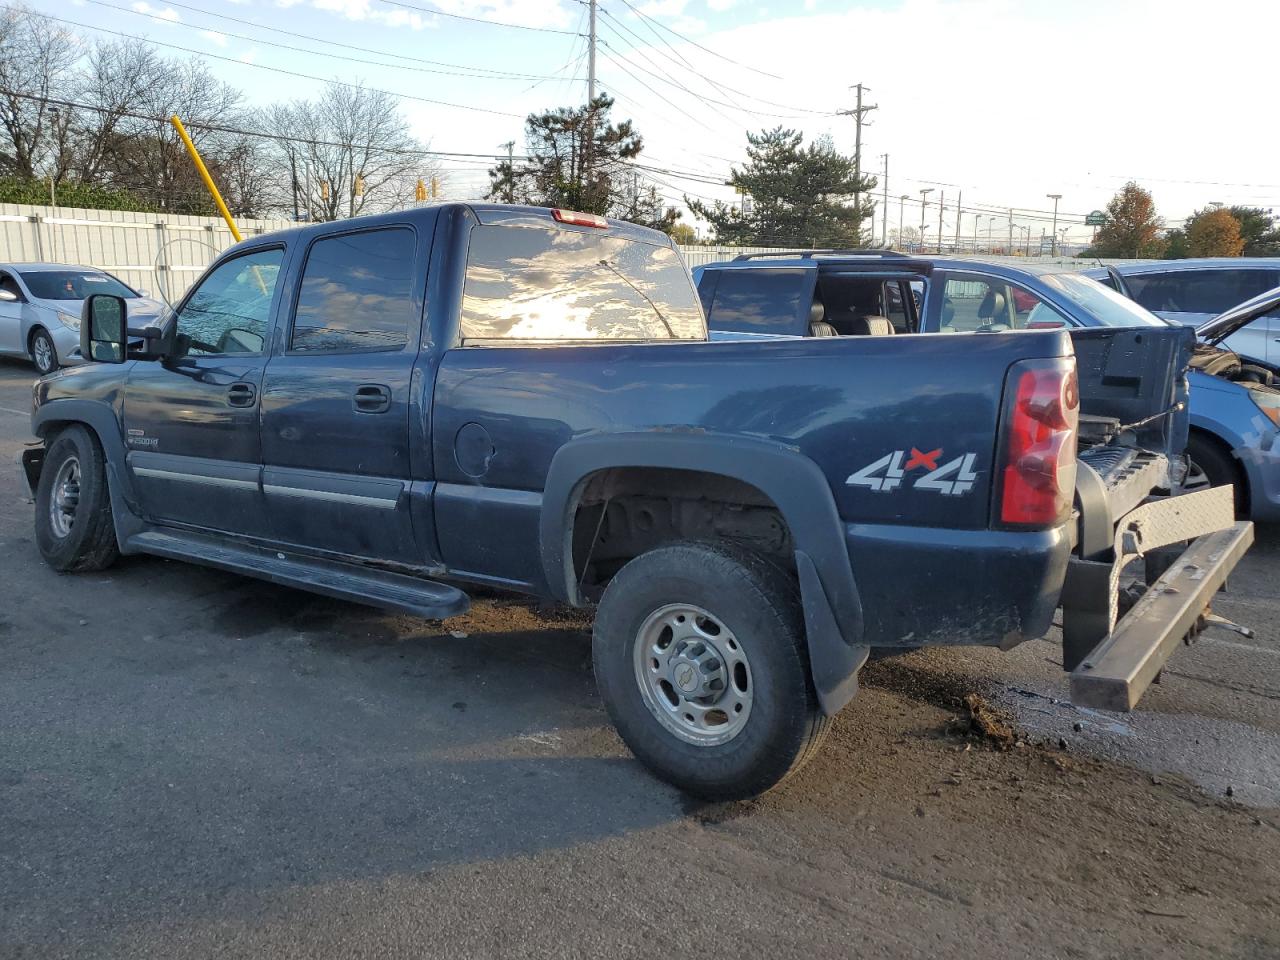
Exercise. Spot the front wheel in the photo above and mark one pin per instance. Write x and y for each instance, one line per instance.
(699, 656)
(1208, 465)
(43, 353)
(74, 529)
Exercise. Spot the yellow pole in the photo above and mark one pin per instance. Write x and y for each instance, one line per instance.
(204, 175)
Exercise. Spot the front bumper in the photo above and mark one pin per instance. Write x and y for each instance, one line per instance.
(1113, 658)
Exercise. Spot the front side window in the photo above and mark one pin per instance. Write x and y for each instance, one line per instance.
(539, 284)
(229, 311)
(992, 305)
(73, 284)
(357, 293)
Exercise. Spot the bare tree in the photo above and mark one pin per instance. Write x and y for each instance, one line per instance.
(36, 60)
(349, 152)
(112, 83)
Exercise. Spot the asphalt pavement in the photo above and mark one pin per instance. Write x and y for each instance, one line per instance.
(194, 764)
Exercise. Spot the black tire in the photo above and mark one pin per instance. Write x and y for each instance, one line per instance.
(1218, 467)
(43, 353)
(88, 541)
(759, 607)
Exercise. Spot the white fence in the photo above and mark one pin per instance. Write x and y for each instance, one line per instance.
(165, 253)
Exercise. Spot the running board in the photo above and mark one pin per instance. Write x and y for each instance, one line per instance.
(378, 588)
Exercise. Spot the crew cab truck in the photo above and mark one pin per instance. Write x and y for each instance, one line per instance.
(390, 408)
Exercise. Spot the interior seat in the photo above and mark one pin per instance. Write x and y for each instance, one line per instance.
(994, 307)
(872, 327)
(818, 326)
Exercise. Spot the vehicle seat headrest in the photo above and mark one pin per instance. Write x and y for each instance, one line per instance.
(872, 327)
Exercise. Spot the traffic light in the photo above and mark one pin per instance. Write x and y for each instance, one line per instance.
(420, 191)
(435, 187)
(324, 189)
(359, 187)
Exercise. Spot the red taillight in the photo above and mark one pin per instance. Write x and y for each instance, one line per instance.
(579, 219)
(1039, 473)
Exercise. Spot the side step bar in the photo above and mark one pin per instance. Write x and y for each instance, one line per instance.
(1120, 668)
(394, 591)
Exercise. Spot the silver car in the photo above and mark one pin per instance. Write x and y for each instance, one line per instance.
(40, 310)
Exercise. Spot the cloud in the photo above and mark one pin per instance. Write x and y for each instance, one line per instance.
(720, 6)
(166, 15)
(249, 56)
(214, 37)
(530, 13)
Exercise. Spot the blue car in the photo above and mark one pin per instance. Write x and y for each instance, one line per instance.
(1235, 405)
(1194, 291)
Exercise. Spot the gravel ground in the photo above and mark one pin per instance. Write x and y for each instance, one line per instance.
(194, 764)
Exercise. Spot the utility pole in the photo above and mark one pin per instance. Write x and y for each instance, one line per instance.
(959, 216)
(942, 205)
(511, 170)
(1053, 240)
(859, 114)
(1010, 250)
(902, 200)
(884, 205)
(591, 53)
(924, 202)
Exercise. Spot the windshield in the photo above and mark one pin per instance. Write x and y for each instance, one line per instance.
(1108, 307)
(72, 284)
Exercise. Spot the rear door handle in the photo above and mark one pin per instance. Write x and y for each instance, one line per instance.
(241, 395)
(371, 398)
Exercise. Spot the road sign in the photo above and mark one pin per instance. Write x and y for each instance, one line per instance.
(1095, 219)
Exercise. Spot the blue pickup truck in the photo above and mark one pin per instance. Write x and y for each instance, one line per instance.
(388, 409)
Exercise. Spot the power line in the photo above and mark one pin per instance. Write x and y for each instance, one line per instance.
(679, 36)
(281, 70)
(240, 131)
(459, 16)
(331, 43)
(315, 53)
(723, 88)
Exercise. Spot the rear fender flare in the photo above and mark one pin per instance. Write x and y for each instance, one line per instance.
(832, 606)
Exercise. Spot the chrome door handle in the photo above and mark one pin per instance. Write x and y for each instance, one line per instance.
(241, 395)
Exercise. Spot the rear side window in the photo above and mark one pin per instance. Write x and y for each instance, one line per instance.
(528, 283)
(1199, 291)
(357, 293)
(759, 301)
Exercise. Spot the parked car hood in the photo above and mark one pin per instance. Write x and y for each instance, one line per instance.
(142, 311)
(1229, 321)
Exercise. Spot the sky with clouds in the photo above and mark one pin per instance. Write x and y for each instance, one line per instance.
(1002, 101)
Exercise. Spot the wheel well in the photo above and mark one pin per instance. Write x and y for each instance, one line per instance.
(1224, 448)
(623, 512)
(31, 334)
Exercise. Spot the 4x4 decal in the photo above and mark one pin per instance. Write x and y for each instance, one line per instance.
(951, 479)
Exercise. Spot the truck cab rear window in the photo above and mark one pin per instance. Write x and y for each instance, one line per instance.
(540, 284)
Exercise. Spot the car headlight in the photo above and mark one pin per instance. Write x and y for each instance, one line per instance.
(1268, 401)
(69, 320)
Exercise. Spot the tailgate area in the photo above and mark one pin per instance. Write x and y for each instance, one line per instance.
(1124, 616)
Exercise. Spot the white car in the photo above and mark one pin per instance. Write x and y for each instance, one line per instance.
(40, 310)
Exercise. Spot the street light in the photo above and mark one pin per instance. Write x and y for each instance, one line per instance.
(1053, 242)
(901, 201)
(924, 202)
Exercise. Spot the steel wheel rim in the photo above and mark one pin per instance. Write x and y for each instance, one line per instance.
(1196, 478)
(43, 351)
(693, 674)
(64, 497)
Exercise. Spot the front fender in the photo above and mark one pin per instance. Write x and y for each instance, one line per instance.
(795, 484)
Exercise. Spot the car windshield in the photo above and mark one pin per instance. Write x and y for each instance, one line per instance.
(72, 284)
(1108, 307)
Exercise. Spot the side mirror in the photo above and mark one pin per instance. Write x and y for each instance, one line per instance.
(103, 331)
(8, 296)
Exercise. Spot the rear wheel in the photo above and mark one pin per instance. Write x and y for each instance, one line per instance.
(43, 353)
(74, 529)
(1209, 465)
(699, 656)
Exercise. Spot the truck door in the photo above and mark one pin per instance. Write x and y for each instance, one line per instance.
(191, 421)
(338, 392)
